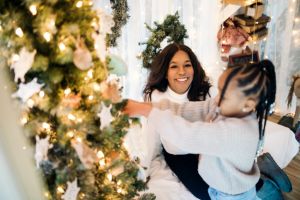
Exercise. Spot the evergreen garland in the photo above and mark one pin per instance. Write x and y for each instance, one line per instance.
(171, 28)
(120, 17)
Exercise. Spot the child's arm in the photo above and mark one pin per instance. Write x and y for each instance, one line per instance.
(191, 111)
(222, 138)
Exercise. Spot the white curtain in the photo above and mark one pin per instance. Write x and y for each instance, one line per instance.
(202, 19)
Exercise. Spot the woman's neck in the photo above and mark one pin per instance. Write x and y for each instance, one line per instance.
(178, 98)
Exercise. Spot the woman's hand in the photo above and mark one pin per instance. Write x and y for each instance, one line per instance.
(135, 108)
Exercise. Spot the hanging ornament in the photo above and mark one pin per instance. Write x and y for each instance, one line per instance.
(111, 89)
(117, 65)
(25, 91)
(86, 155)
(71, 100)
(72, 191)
(105, 116)
(106, 22)
(22, 65)
(41, 149)
(82, 56)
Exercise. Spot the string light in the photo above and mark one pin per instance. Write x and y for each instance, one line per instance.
(46, 126)
(78, 139)
(30, 103)
(67, 91)
(33, 9)
(119, 190)
(79, 4)
(15, 57)
(71, 117)
(100, 154)
(47, 36)
(24, 147)
(47, 194)
(91, 97)
(61, 46)
(60, 189)
(96, 87)
(90, 73)
(1, 29)
(297, 19)
(102, 162)
(109, 176)
(79, 120)
(41, 94)
(119, 182)
(70, 134)
(19, 32)
(24, 120)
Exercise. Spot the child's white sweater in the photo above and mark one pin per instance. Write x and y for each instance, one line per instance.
(227, 145)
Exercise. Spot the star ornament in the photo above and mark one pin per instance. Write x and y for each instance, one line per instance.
(22, 65)
(105, 116)
(25, 91)
(72, 191)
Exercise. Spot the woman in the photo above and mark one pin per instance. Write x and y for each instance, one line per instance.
(177, 75)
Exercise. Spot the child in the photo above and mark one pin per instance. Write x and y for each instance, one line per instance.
(229, 145)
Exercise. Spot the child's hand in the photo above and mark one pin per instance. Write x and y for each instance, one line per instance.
(135, 108)
(213, 112)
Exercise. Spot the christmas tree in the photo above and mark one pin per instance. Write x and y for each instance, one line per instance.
(72, 108)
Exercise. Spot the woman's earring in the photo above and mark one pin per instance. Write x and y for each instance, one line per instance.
(244, 110)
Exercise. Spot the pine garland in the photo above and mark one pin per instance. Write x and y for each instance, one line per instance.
(120, 17)
(171, 28)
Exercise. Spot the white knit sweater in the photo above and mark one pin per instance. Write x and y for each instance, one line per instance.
(227, 146)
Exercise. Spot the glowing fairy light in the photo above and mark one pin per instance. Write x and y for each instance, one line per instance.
(102, 162)
(91, 97)
(96, 87)
(24, 120)
(70, 134)
(41, 94)
(15, 57)
(33, 9)
(30, 103)
(60, 189)
(46, 126)
(90, 73)
(61, 46)
(100, 154)
(46, 194)
(19, 32)
(47, 36)
(24, 147)
(109, 176)
(119, 182)
(79, 4)
(78, 139)
(67, 91)
(119, 190)
(71, 117)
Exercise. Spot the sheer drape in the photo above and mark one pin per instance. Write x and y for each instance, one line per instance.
(202, 19)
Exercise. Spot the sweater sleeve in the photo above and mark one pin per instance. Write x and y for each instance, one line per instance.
(191, 111)
(221, 138)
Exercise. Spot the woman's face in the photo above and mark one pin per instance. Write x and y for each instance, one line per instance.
(180, 72)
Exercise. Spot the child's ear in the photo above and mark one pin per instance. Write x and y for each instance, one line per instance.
(250, 105)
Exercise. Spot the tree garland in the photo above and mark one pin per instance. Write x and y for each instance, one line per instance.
(171, 28)
(120, 17)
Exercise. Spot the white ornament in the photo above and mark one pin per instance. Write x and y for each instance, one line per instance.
(105, 116)
(100, 45)
(106, 22)
(82, 56)
(41, 149)
(23, 64)
(25, 91)
(86, 155)
(72, 191)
